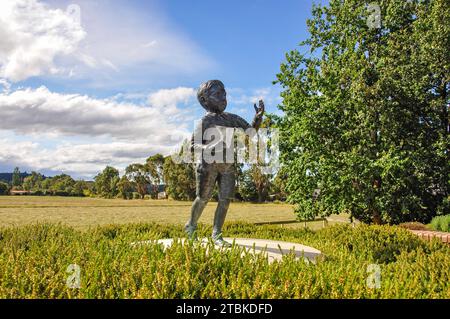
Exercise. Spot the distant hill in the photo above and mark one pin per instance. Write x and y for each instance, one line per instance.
(7, 177)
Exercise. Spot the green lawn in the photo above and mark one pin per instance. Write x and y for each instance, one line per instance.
(82, 213)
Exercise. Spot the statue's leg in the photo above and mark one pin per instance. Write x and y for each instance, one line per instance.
(205, 178)
(226, 193)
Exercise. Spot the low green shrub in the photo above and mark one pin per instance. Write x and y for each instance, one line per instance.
(441, 223)
(34, 263)
(136, 195)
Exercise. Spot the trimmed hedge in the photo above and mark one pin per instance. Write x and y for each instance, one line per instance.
(34, 260)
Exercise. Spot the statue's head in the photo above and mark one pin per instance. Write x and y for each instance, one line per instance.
(212, 96)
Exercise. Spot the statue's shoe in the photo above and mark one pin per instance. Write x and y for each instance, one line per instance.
(221, 242)
(191, 232)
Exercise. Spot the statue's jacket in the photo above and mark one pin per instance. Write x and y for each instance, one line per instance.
(220, 124)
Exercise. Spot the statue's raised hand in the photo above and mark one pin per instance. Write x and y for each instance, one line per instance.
(259, 110)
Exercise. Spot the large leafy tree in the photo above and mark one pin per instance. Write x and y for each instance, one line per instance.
(80, 188)
(139, 174)
(179, 179)
(278, 186)
(106, 182)
(16, 178)
(247, 189)
(260, 179)
(62, 185)
(366, 125)
(125, 188)
(155, 166)
(33, 182)
(255, 177)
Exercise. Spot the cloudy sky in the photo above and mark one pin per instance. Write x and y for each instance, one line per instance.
(90, 83)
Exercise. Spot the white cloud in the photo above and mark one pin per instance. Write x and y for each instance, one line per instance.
(167, 100)
(107, 45)
(128, 37)
(80, 160)
(6, 85)
(39, 111)
(32, 37)
(150, 44)
(80, 135)
(270, 95)
(128, 45)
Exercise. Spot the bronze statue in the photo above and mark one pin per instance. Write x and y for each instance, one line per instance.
(212, 96)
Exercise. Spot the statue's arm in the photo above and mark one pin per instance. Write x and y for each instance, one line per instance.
(197, 137)
(256, 123)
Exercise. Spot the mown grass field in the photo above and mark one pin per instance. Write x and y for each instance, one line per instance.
(35, 255)
(82, 213)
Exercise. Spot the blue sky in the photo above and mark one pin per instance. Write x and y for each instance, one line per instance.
(247, 38)
(109, 82)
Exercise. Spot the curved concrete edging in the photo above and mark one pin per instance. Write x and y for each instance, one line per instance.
(273, 249)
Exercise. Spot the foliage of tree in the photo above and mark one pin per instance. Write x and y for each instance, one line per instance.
(81, 188)
(261, 179)
(179, 179)
(4, 188)
(278, 186)
(139, 174)
(16, 179)
(366, 112)
(155, 167)
(253, 183)
(60, 185)
(33, 182)
(106, 182)
(261, 182)
(247, 188)
(125, 188)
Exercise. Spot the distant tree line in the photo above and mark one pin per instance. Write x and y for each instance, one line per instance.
(158, 175)
(38, 184)
(161, 173)
(8, 177)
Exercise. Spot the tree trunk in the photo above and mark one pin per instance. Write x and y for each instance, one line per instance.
(260, 196)
(377, 218)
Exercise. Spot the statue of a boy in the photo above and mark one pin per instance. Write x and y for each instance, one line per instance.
(212, 96)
